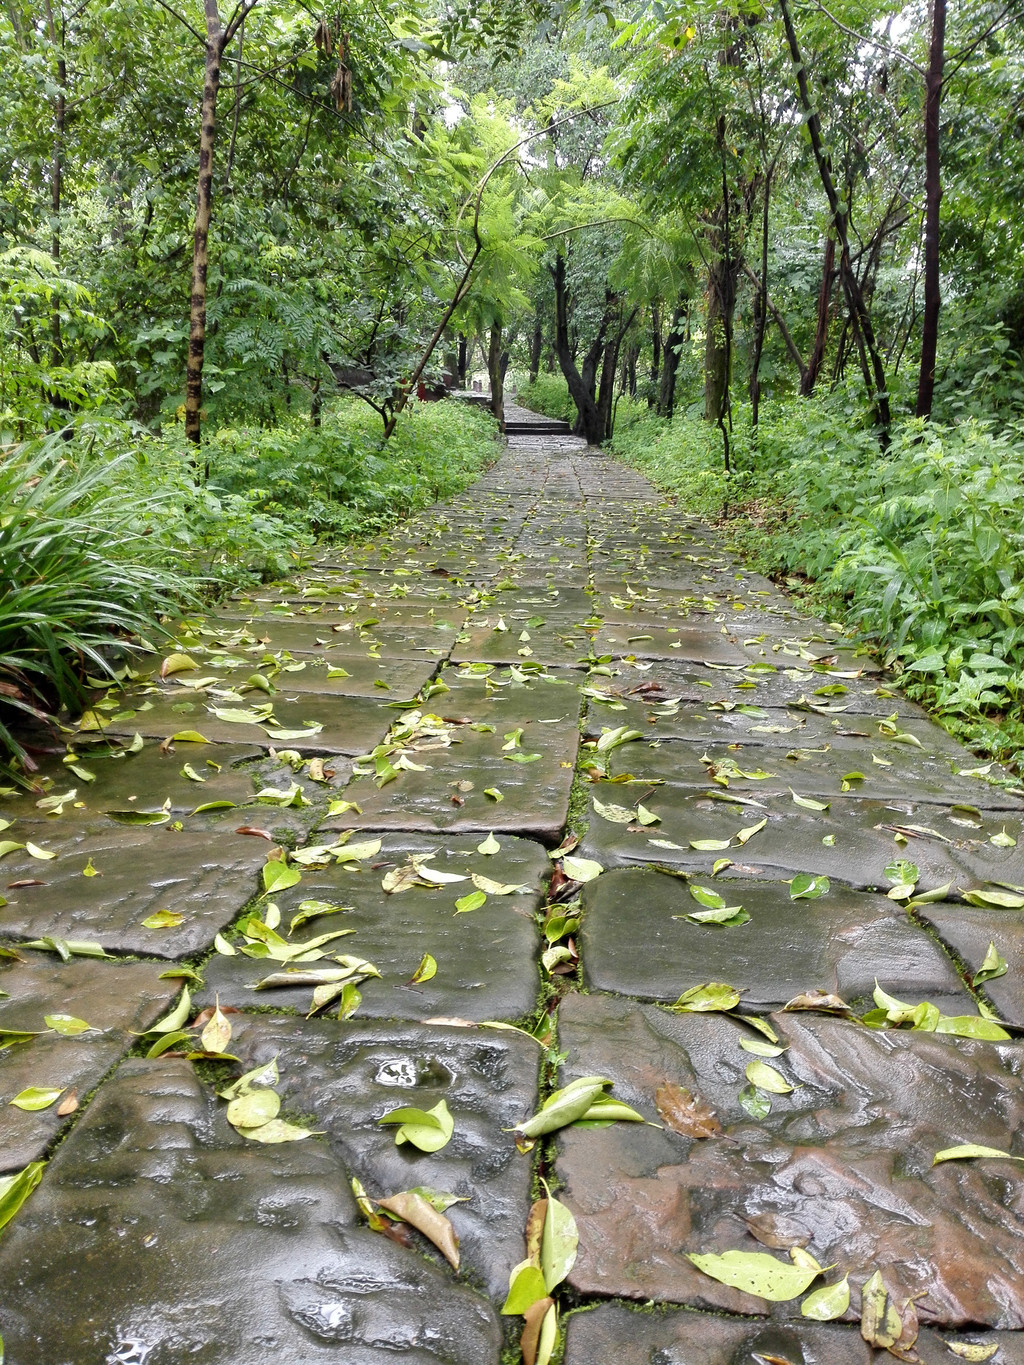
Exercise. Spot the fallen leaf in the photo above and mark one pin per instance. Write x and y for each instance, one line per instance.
(765, 1077)
(685, 1113)
(68, 1025)
(425, 971)
(217, 1033)
(970, 1150)
(412, 1208)
(713, 996)
(581, 869)
(972, 1350)
(16, 1188)
(465, 904)
(755, 1272)
(68, 1104)
(429, 1129)
(827, 1303)
(35, 1097)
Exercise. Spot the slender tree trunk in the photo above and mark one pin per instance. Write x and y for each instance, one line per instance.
(760, 309)
(589, 422)
(632, 356)
(57, 175)
(717, 350)
(316, 403)
(932, 200)
(817, 357)
(609, 366)
(236, 112)
(496, 374)
(204, 210)
(655, 352)
(536, 342)
(463, 359)
(670, 362)
(871, 360)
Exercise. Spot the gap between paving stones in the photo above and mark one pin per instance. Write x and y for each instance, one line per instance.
(664, 659)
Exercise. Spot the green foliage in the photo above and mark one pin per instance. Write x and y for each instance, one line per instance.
(79, 572)
(921, 548)
(340, 480)
(548, 394)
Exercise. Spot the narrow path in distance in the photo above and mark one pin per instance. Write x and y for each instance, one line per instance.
(546, 756)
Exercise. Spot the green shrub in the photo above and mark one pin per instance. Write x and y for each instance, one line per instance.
(549, 395)
(79, 573)
(921, 548)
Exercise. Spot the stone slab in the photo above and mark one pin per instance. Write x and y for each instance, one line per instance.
(968, 930)
(117, 999)
(346, 1075)
(553, 644)
(349, 724)
(874, 768)
(656, 642)
(381, 679)
(205, 879)
(842, 1165)
(486, 959)
(615, 1332)
(160, 1235)
(841, 943)
(322, 637)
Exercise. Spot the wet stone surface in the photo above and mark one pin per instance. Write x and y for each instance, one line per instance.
(206, 880)
(116, 1000)
(636, 942)
(615, 1332)
(198, 1245)
(486, 958)
(346, 1075)
(452, 700)
(842, 1165)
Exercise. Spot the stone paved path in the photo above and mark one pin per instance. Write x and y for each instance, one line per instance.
(422, 721)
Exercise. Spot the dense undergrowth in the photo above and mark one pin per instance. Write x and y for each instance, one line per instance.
(106, 527)
(548, 394)
(920, 548)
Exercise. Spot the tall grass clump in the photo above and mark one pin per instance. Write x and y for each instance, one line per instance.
(78, 574)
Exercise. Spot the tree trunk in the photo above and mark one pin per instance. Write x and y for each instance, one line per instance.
(655, 352)
(609, 366)
(871, 360)
(536, 342)
(670, 363)
(932, 200)
(316, 403)
(496, 373)
(817, 357)
(632, 356)
(760, 309)
(588, 422)
(463, 358)
(57, 178)
(717, 348)
(204, 209)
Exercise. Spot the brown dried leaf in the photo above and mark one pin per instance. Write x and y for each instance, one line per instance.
(685, 1112)
(259, 833)
(415, 1210)
(535, 1230)
(68, 1104)
(530, 1339)
(818, 1000)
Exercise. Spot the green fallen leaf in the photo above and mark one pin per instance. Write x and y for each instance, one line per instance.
(170, 1023)
(36, 1097)
(827, 1303)
(138, 817)
(565, 1106)
(971, 1026)
(807, 888)
(970, 1150)
(711, 997)
(559, 1242)
(489, 846)
(994, 966)
(16, 1188)
(277, 1130)
(253, 1108)
(493, 793)
(755, 1102)
(581, 869)
(427, 1129)
(310, 910)
(809, 803)
(999, 900)
(473, 901)
(425, 971)
(67, 1025)
(754, 1272)
(765, 1077)
(278, 876)
(162, 919)
(525, 1287)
